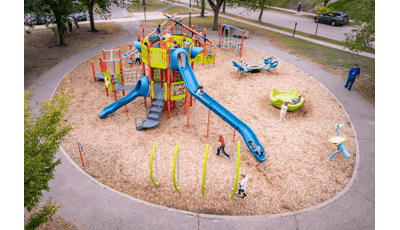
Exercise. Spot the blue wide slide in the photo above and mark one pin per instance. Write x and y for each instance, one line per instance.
(192, 84)
(141, 89)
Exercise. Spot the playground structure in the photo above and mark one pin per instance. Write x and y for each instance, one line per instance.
(234, 40)
(278, 97)
(163, 89)
(255, 67)
(338, 141)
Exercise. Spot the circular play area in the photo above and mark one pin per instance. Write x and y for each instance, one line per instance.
(298, 169)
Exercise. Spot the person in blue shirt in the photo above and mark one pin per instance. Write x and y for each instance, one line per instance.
(159, 29)
(296, 100)
(353, 74)
(199, 91)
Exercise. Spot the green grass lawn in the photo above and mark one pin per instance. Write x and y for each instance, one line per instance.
(332, 60)
(151, 5)
(180, 10)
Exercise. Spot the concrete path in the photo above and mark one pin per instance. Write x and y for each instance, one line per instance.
(91, 205)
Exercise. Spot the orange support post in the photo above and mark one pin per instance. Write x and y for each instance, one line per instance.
(143, 32)
(241, 48)
(80, 153)
(94, 74)
(186, 95)
(113, 87)
(220, 36)
(130, 48)
(169, 82)
(104, 55)
(188, 115)
(208, 122)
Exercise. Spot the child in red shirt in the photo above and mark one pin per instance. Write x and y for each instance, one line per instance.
(222, 146)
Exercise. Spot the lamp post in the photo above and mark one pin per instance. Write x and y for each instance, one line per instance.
(190, 13)
(144, 8)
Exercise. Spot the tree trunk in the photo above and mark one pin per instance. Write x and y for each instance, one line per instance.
(76, 22)
(144, 2)
(197, 2)
(326, 2)
(216, 13)
(203, 6)
(92, 28)
(259, 17)
(223, 8)
(60, 28)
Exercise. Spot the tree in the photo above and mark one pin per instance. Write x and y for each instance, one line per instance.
(255, 5)
(363, 14)
(203, 7)
(102, 10)
(55, 10)
(215, 7)
(43, 134)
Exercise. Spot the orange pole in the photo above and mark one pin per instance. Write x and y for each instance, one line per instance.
(94, 75)
(143, 31)
(104, 55)
(208, 123)
(130, 48)
(220, 35)
(83, 164)
(241, 49)
(186, 94)
(188, 116)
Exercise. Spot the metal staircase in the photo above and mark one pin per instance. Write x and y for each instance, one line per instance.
(153, 117)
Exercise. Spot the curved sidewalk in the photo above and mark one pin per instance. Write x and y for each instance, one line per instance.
(91, 205)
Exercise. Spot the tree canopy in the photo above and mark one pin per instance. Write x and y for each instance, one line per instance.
(363, 14)
(43, 134)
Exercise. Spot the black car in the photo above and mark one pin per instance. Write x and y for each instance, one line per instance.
(334, 18)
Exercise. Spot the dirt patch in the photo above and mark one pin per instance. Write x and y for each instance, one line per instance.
(297, 173)
(42, 50)
(55, 223)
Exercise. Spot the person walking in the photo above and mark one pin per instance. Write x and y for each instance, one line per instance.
(242, 186)
(353, 74)
(298, 9)
(283, 111)
(222, 147)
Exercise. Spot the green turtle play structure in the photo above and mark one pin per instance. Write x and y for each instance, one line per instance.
(278, 97)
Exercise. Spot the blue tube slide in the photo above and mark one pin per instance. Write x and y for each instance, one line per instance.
(141, 89)
(192, 84)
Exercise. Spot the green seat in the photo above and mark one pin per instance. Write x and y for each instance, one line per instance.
(278, 97)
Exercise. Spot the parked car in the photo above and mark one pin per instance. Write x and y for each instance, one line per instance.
(334, 18)
(81, 16)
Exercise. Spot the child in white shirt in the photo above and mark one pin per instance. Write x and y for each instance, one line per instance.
(242, 185)
(283, 111)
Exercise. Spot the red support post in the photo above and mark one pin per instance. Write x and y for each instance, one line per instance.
(186, 95)
(130, 48)
(241, 49)
(94, 74)
(80, 153)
